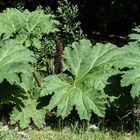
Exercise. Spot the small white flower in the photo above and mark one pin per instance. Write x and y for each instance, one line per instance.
(93, 127)
(23, 134)
(112, 2)
(5, 128)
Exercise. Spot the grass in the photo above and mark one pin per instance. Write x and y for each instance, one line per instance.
(66, 134)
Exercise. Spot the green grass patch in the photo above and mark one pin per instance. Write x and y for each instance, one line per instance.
(65, 134)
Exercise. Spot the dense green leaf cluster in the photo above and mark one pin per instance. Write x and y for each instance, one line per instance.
(20, 32)
(81, 84)
(130, 58)
(26, 27)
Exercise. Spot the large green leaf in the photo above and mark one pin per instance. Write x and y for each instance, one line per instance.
(27, 27)
(90, 67)
(14, 59)
(130, 58)
(10, 22)
(29, 111)
(11, 94)
(28, 82)
(136, 35)
(34, 25)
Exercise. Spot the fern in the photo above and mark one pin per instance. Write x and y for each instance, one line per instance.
(26, 27)
(14, 60)
(130, 58)
(90, 67)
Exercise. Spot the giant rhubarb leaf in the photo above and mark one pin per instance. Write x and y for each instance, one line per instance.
(34, 25)
(14, 60)
(10, 21)
(90, 67)
(26, 27)
(24, 115)
(135, 36)
(130, 58)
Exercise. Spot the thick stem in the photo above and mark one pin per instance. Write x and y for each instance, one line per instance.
(35, 74)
